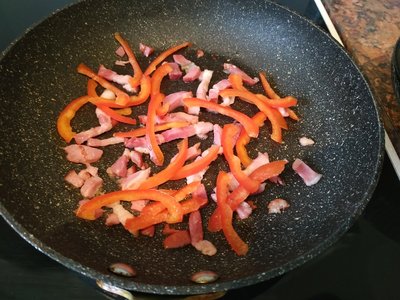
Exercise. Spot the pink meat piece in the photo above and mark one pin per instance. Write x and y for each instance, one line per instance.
(93, 142)
(112, 219)
(309, 176)
(192, 74)
(227, 101)
(120, 167)
(199, 53)
(244, 210)
(121, 62)
(74, 179)
(137, 158)
(133, 181)
(175, 100)
(305, 141)
(283, 111)
(206, 247)
(113, 76)
(217, 130)
(88, 172)
(139, 204)
(200, 192)
(232, 69)
(91, 186)
(192, 152)
(107, 94)
(260, 160)
(195, 227)
(105, 122)
(176, 72)
(216, 88)
(276, 206)
(182, 61)
(146, 50)
(172, 117)
(81, 154)
(202, 89)
(120, 51)
(277, 180)
(121, 213)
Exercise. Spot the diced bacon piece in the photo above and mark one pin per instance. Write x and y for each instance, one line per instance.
(199, 53)
(149, 231)
(146, 50)
(105, 125)
(120, 51)
(121, 63)
(195, 227)
(232, 69)
(84, 174)
(172, 117)
(182, 61)
(137, 158)
(206, 247)
(88, 172)
(227, 101)
(74, 179)
(120, 167)
(261, 189)
(244, 210)
(277, 180)
(175, 100)
(217, 130)
(177, 240)
(309, 176)
(192, 152)
(283, 111)
(81, 154)
(121, 212)
(93, 142)
(91, 186)
(216, 88)
(133, 181)
(112, 219)
(176, 72)
(113, 76)
(305, 141)
(131, 170)
(139, 204)
(202, 89)
(200, 192)
(192, 74)
(260, 160)
(200, 129)
(107, 94)
(276, 206)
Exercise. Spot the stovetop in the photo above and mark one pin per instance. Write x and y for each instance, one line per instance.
(364, 264)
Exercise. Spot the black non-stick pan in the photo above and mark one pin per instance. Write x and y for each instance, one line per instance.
(38, 78)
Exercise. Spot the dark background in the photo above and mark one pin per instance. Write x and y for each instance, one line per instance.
(364, 264)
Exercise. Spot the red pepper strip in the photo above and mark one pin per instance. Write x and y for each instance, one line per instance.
(197, 165)
(154, 103)
(281, 102)
(267, 87)
(159, 59)
(146, 220)
(116, 116)
(292, 114)
(91, 88)
(66, 115)
(237, 82)
(248, 124)
(124, 111)
(240, 193)
(169, 171)
(260, 175)
(121, 96)
(228, 132)
(87, 210)
(137, 71)
(244, 139)
(158, 76)
(180, 195)
(105, 102)
(158, 127)
(163, 110)
(234, 240)
(262, 106)
(177, 240)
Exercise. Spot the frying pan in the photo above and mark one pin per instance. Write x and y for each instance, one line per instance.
(337, 110)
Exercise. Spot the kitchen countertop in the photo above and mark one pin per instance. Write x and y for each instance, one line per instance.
(369, 30)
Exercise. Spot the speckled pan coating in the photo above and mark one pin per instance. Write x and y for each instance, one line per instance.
(336, 107)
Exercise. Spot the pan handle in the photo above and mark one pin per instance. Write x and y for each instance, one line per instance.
(117, 292)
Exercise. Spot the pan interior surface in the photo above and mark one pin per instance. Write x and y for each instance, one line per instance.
(38, 78)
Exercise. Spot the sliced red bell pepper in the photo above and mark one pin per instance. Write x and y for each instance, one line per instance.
(267, 87)
(248, 124)
(285, 102)
(214, 222)
(276, 134)
(170, 170)
(158, 127)
(197, 165)
(292, 114)
(64, 127)
(228, 132)
(244, 139)
(137, 71)
(154, 103)
(144, 93)
(237, 82)
(91, 88)
(177, 239)
(158, 76)
(87, 210)
(234, 240)
(159, 59)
